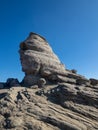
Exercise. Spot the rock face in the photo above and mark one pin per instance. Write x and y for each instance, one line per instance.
(94, 81)
(56, 107)
(38, 59)
(12, 82)
(2, 85)
(53, 99)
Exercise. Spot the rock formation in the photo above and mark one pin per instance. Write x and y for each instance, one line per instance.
(38, 59)
(50, 97)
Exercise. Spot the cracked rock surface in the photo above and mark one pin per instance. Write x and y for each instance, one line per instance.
(56, 107)
(50, 97)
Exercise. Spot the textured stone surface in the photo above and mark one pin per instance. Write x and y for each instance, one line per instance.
(94, 81)
(59, 99)
(38, 59)
(2, 85)
(12, 82)
(41, 82)
(56, 107)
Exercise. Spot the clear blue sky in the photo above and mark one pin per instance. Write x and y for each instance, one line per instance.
(70, 26)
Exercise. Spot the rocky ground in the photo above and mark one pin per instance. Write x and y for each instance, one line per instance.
(54, 107)
(50, 97)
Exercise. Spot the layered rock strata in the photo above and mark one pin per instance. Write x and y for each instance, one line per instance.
(38, 59)
(56, 107)
(55, 99)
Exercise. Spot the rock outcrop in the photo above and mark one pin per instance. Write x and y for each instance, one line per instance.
(50, 97)
(2, 85)
(56, 107)
(38, 59)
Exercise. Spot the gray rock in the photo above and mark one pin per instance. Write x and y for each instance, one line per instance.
(82, 81)
(63, 107)
(41, 82)
(38, 59)
(12, 82)
(74, 71)
(30, 80)
(70, 103)
(2, 85)
(34, 87)
(93, 81)
(59, 78)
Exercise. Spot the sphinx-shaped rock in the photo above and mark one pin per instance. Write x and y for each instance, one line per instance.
(38, 60)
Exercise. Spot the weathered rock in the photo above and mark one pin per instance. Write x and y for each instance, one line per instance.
(82, 82)
(39, 61)
(12, 82)
(37, 58)
(2, 85)
(58, 78)
(30, 80)
(41, 82)
(93, 81)
(74, 71)
(56, 99)
(34, 87)
(64, 108)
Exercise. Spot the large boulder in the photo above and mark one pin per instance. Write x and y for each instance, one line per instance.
(2, 85)
(38, 59)
(11, 82)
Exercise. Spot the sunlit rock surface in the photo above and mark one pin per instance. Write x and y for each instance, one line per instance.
(50, 97)
(38, 59)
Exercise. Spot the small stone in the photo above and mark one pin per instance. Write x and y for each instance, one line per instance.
(41, 82)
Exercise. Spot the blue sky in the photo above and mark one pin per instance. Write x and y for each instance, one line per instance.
(70, 26)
